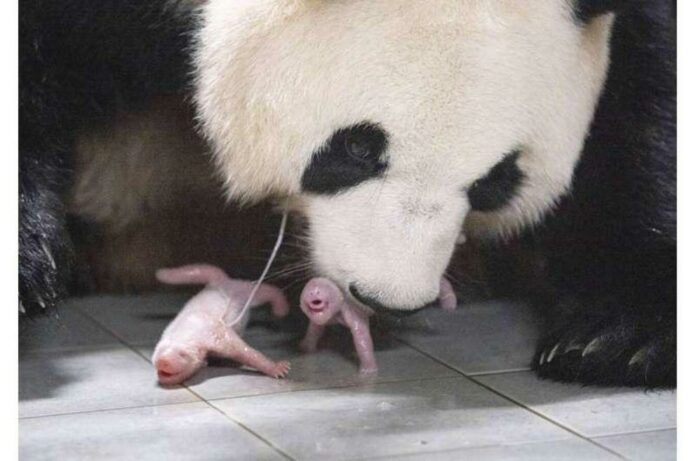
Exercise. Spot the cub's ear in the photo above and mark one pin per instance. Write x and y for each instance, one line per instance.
(585, 10)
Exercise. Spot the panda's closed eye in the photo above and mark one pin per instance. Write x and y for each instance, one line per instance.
(498, 187)
(351, 155)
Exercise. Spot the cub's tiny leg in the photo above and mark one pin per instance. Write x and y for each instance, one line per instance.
(364, 347)
(266, 294)
(237, 349)
(312, 337)
(448, 299)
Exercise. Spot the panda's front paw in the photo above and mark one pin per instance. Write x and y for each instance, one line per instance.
(43, 269)
(626, 350)
(45, 258)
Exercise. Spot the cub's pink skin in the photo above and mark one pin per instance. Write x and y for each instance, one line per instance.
(447, 297)
(324, 304)
(205, 325)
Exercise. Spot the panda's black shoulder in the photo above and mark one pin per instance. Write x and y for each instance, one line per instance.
(586, 10)
(621, 212)
(80, 59)
(630, 154)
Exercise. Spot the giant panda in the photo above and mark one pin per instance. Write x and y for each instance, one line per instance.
(394, 127)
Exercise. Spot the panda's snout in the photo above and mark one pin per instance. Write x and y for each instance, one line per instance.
(379, 307)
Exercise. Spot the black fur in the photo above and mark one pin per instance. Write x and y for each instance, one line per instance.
(612, 244)
(379, 308)
(585, 10)
(79, 62)
(494, 190)
(352, 155)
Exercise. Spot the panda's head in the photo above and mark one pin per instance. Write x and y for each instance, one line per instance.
(397, 123)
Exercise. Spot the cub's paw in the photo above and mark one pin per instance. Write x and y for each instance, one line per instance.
(280, 370)
(368, 370)
(617, 350)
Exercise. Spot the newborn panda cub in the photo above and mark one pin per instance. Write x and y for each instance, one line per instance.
(323, 303)
(209, 325)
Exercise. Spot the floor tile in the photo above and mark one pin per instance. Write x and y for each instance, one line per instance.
(85, 380)
(560, 450)
(476, 338)
(388, 419)
(109, 406)
(644, 446)
(64, 328)
(592, 411)
(181, 432)
(135, 319)
(334, 365)
(140, 320)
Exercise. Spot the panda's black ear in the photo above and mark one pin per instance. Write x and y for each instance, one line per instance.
(585, 10)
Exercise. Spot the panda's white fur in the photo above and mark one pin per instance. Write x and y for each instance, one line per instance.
(456, 84)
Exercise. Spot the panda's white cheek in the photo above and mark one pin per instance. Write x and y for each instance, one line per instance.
(335, 236)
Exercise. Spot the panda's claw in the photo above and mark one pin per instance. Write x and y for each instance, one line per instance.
(574, 345)
(592, 347)
(639, 357)
(552, 354)
(45, 269)
(622, 350)
(49, 255)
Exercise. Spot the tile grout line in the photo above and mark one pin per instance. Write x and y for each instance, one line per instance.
(103, 410)
(124, 343)
(134, 348)
(67, 349)
(462, 450)
(195, 394)
(470, 377)
(547, 418)
(244, 427)
(331, 388)
(499, 372)
(200, 398)
(512, 400)
(636, 432)
(598, 439)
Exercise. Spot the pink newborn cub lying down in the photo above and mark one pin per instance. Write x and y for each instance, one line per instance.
(323, 303)
(209, 325)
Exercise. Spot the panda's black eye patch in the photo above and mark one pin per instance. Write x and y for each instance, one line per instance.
(351, 155)
(494, 190)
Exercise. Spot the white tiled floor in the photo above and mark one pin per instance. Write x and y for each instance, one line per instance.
(451, 386)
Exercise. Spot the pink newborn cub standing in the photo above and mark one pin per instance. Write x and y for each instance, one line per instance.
(324, 304)
(209, 324)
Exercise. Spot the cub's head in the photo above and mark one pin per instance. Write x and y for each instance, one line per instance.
(396, 124)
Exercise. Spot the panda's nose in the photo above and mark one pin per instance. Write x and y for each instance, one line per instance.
(380, 308)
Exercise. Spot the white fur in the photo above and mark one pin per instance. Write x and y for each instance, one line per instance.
(456, 84)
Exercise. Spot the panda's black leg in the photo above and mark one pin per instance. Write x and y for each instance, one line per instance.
(45, 252)
(610, 345)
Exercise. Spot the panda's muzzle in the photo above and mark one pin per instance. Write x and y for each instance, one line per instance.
(380, 308)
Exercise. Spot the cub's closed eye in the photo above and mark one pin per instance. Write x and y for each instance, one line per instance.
(350, 156)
